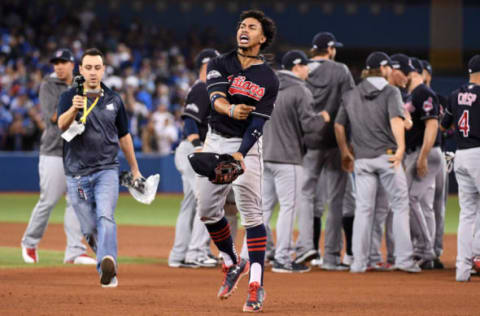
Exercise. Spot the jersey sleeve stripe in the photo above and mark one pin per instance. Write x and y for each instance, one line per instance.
(217, 83)
(192, 116)
(261, 115)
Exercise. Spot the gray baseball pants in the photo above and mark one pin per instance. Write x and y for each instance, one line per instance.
(421, 220)
(369, 175)
(322, 163)
(191, 236)
(53, 184)
(381, 212)
(282, 183)
(467, 172)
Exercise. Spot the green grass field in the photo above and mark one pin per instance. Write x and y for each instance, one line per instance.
(16, 208)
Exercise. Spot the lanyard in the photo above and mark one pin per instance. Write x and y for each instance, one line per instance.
(86, 111)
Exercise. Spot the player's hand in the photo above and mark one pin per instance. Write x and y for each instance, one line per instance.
(396, 159)
(78, 102)
(136, 174)
(326, 116)
(241, 111)
(239, 157)
(422, 167)
(347, 161)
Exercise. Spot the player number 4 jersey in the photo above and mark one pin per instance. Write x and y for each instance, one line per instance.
(463, 110)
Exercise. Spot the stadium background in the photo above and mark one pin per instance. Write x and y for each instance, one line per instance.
(150, 47)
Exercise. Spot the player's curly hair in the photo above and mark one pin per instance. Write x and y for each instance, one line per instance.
(268, 26)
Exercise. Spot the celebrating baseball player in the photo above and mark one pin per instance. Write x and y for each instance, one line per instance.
(293, 127)
(422, 162)
(374, 113)
(189, 229)
(242, 89)
(327, 80)
(53, 183)
(463, 111)
(90, 159)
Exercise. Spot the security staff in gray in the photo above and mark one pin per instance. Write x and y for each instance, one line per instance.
(293, 127)
(328, 80)
(422, 162)
(53, 183)
(373, 112)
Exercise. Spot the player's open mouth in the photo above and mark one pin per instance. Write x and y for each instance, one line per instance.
(243, 39)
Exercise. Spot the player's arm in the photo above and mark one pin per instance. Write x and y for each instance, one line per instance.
(431, 130)
(68, 109)
(310, 121)
(48, 103)
(447, 120)
(125, 141)
(397, 114)
(341, 136)
(217, 85)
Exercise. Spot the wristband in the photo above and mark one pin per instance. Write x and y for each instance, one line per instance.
(232, 109)
(215, 97)
(196, 142)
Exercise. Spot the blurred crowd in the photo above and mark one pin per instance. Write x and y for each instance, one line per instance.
(147, 65)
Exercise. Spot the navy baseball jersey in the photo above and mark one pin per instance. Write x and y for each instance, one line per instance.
(463, 110)
(422, 105)
(197, 107)
(256, 86)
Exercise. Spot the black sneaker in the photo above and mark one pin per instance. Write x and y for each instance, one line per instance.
(306, 256)
(437, 264)
(426, 264)
(255, 298)
(233, 275)
(289, 268)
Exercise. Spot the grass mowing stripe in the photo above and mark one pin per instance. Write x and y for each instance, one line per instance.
(17, 207)
(11, 257)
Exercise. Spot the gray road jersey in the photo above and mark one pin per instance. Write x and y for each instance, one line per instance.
(367, 110)
(50, 91)
(328, 80)
(292, 119)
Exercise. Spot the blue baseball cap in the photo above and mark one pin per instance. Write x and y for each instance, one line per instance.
(403, 63)
(205, 56)
(324, 40)
(377, 59)
(474, 64)
(294, 57)
(417, 64)
(63, 54)
(427, 66)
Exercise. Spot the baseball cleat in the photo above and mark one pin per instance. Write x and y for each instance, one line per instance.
(347, 260)
(476, 264)
(335, 267)
(255, 299)
(83, 259)
(30, 255)
(183, 264)
(204, 262)
(437, 264)
(381, 266)
(412, 268)
(306, 256)
(108, 272)
(289, 268)
(233, 274)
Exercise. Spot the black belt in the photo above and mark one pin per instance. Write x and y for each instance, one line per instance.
(222, 134)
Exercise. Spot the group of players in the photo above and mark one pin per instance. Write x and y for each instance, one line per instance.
(306, 136)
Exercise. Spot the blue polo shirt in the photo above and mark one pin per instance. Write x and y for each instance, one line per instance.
(97, 147)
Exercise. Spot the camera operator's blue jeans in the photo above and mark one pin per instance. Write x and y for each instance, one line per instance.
(94, 198)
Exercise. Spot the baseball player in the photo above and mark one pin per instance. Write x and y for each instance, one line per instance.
(422, 162)
(50, 168)
(463, 111)
(284, 143)
(438, 192)
(242, 90)
(189, 230)
(90, 159)
(383, 214)
(374, 113)
(328, 80)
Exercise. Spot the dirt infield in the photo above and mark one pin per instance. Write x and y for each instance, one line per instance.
(159, 290)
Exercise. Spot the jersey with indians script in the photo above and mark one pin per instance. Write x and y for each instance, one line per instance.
(256, 86)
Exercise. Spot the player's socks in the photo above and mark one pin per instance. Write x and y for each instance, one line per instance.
(317, 230)
(220, 234)
(348, 229)
(256, 244)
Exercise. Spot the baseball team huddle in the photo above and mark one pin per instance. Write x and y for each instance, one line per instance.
(305, 137)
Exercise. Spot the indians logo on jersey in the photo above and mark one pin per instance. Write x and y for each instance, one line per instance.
(428, 105)
(247, 88)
